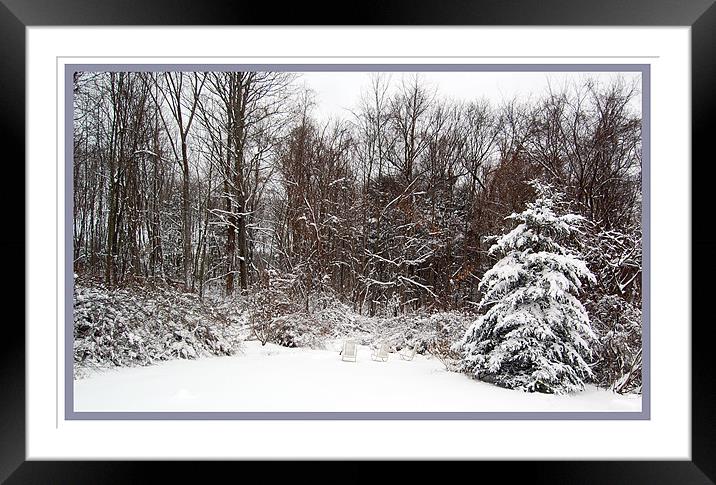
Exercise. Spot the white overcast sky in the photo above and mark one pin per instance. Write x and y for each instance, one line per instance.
(338, 92)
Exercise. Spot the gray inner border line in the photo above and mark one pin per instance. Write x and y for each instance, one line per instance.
(367, 67)
(57, 263)
(644, 414)
(364, 57)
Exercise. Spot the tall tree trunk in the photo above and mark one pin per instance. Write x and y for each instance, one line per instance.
(230, 241)
(243, 253)
(186, 215)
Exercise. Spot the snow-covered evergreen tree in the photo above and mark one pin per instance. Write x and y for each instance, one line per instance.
(535, 333)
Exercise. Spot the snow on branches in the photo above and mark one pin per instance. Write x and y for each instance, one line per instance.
(535, 334)
(142, 325)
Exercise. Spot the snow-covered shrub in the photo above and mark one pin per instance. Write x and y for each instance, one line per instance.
(448, 329)
(615, 306)
(618, 357)
(301, 330)
(535, 333)
(615, 259)
(269, 303)
(427, 333)
(276, 315)
(424, 330)
(333, 313)
(450, 326)
(234, 309)
(138, 326)
(446, 353)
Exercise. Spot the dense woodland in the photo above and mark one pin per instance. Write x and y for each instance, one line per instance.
(223, 183)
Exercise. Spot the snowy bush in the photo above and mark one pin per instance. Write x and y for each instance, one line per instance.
(614, 305)
(535, 334)
(448, 329)
(427, 333)
(618, 357)
(138, 326)
(446, 353)
(268, 303)
(615, 259)
(301, 330)
(276, 316)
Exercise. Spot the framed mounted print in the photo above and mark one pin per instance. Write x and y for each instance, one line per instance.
(343, 223)
(294, 235)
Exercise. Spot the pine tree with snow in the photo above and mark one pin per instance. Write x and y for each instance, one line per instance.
(535, 334)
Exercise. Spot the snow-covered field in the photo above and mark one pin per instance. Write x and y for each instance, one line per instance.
(274, 378)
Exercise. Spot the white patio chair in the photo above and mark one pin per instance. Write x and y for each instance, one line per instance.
(350, 351)
(407, 354)
(381, 354)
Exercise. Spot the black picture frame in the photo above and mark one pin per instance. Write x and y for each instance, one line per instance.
(700, 15)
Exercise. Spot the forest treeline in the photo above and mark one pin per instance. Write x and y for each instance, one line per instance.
(212, 181)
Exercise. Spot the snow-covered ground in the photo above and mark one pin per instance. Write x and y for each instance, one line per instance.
(274, 378)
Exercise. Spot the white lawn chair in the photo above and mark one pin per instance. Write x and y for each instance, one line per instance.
(381, 354)
(407, 354)
(350, 351)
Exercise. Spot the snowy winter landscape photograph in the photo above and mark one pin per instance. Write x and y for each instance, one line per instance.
(357, 241)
